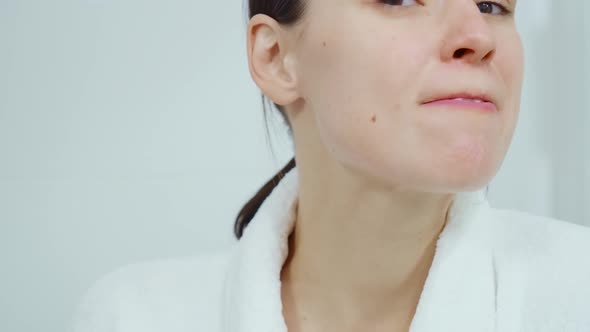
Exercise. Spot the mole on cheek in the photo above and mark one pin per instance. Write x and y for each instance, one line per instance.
(374, 119)
(324, 44)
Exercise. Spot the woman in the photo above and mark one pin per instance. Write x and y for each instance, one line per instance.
(401, 112)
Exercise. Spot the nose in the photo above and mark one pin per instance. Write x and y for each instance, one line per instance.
(467, 36)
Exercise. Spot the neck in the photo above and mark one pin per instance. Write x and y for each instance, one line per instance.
(360, 253)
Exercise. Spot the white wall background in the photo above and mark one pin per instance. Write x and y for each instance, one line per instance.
(130, 130)
(546, 169)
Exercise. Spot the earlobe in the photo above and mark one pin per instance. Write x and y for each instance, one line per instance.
(271, 66)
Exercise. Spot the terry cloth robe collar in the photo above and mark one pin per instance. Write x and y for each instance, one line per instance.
(459, 293)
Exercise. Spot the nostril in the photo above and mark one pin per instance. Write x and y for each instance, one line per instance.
(460, 52)
(489, 55)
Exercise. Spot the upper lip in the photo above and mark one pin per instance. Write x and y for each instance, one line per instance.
(465, 95)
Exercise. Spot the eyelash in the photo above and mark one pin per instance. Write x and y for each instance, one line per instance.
(505, 11)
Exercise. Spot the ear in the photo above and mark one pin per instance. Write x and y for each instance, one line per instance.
(271, 65)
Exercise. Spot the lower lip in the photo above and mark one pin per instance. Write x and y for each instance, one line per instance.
(483, 106)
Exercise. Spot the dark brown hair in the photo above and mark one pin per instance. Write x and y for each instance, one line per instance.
(286, 12)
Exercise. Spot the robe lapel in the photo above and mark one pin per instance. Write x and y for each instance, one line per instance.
(460, 290)
(253, 284)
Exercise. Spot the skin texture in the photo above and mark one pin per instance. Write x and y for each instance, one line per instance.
(378, 168)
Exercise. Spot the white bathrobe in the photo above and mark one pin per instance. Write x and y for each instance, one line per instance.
(493, 270)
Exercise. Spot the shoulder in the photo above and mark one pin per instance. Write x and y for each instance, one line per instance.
(180, 294)
(539, 236)
(543, 270)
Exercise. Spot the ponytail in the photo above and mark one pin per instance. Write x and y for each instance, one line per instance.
(285, 12)
(249, 210)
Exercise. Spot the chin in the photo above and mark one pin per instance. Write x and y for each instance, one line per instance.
(468, 179)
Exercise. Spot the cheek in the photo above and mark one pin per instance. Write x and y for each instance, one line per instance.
(353, 89)
(511, 67)
(365, 102)
(361, 78)
(510, 62)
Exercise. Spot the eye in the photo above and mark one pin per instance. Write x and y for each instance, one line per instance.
(398, 2)
(487, 7)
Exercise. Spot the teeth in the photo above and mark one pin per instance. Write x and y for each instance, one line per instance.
(467, 99)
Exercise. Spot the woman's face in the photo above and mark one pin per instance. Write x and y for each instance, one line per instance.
(366, 67)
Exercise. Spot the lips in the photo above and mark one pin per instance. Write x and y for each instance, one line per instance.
(462, 100)
(478, 98)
